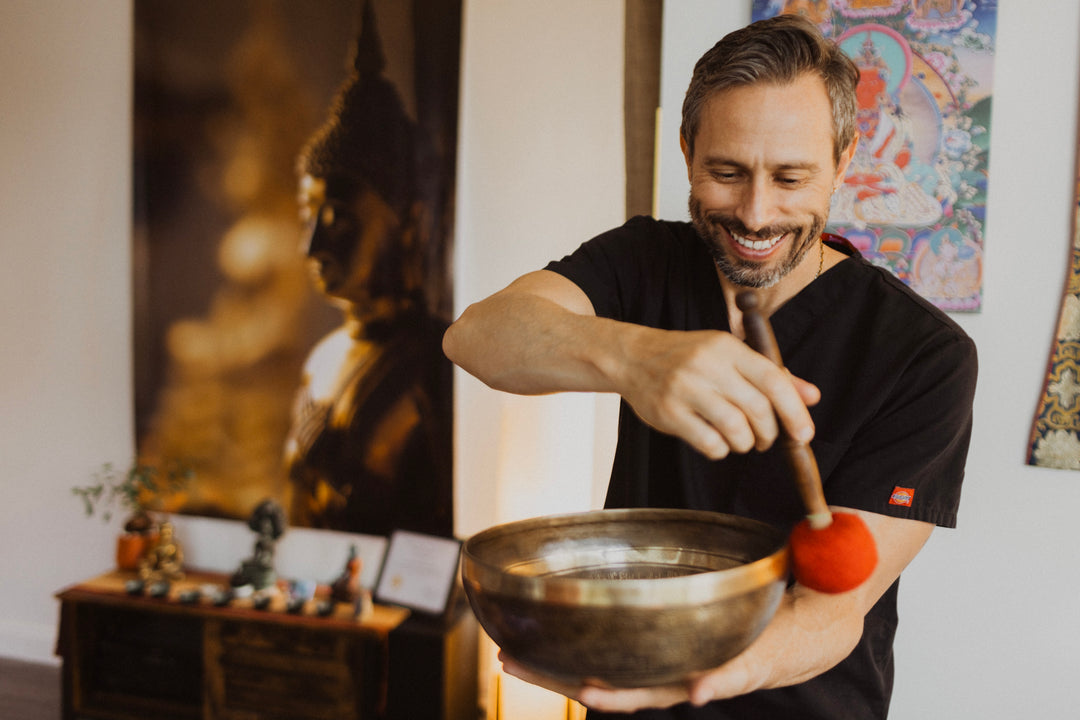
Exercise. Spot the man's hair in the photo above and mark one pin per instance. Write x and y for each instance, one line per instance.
(775, 51)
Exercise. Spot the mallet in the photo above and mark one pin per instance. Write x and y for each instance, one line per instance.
(830, 552)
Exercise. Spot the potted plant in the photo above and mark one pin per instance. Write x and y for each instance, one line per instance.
(136, 491)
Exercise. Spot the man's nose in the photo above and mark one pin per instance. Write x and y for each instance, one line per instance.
(757, 206)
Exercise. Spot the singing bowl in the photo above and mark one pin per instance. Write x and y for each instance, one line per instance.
(629, 598)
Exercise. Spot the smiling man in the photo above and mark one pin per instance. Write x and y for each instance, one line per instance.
(880, 380)
(761, 180)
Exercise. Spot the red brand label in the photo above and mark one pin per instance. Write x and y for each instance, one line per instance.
(902, 496)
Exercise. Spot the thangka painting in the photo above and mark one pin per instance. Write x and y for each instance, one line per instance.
(1055, 434)
(293, 214)
(914, 198)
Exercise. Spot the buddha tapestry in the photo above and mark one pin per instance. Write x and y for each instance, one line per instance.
(293, 214)
(914, 198)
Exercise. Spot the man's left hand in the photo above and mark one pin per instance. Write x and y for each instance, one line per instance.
(726, 681)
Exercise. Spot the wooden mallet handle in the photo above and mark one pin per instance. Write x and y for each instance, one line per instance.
(800, 456)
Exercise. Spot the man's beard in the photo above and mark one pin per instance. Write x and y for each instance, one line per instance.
(746, 273)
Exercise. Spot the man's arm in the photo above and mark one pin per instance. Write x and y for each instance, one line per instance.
(533, 337)
(541, 335)
(810, 633)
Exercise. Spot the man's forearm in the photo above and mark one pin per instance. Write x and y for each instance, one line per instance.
(809, 634)
(533, 338)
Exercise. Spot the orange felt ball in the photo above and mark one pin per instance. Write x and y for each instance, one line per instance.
(836, 558)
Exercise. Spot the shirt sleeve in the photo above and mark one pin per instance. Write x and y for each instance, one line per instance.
(620, 267)
(908, 459)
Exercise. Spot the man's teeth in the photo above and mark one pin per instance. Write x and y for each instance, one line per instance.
(757, 244)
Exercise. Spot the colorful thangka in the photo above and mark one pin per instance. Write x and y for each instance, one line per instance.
(914, 198)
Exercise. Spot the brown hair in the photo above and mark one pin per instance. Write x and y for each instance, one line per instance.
(777, 50)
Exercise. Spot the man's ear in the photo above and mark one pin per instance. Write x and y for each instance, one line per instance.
(686, 154)
(845, 159)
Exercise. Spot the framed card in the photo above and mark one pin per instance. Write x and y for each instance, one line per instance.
(419, 572)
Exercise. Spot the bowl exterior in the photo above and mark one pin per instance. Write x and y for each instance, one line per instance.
(630, 647)
(625, 632)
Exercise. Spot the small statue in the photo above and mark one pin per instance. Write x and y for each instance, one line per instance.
(268, 520)
(164, 561)
(346, 589)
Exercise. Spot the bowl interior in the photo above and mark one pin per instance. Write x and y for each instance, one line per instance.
(610, 556)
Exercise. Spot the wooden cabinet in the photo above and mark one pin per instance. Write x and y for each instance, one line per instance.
(131, 657)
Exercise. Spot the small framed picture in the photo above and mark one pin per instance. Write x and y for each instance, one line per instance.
(419, 572)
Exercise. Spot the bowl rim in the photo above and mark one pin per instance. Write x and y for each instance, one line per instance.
(479, 576)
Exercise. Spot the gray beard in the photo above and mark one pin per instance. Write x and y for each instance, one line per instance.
(744, 273)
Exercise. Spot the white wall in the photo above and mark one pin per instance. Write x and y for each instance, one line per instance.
(541, 170)
(65, 308)
(988, 622)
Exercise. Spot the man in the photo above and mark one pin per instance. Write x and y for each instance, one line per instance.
(647, 311)
(370, 446)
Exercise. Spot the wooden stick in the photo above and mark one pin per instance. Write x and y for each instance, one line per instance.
(800, 456)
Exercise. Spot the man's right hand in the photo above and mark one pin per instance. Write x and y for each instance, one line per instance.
(712, 390)
(541, 335)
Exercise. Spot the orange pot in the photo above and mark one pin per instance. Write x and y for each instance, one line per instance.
(131, 547)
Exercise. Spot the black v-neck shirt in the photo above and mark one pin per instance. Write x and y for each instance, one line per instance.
(897, 379)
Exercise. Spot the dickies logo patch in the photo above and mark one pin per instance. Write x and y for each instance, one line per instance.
(902, 496)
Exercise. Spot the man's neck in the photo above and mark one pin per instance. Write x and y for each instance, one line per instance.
(770, 299)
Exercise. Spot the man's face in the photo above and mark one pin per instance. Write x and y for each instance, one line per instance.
(350, 241)
(761, 177)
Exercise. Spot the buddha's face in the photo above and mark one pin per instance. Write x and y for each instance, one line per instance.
(353, 242)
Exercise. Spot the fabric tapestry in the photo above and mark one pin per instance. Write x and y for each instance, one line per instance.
(914, 198)
(1055, 434)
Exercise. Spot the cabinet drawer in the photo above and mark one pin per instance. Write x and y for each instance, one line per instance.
(257, 671)
(133, 663)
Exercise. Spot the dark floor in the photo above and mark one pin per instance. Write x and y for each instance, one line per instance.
(29, 691)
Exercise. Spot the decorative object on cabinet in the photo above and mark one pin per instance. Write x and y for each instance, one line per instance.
(268, 522)
(137, 492)
(163, 562)
(419, 572)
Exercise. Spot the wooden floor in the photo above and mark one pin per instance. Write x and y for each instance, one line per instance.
(29, 691)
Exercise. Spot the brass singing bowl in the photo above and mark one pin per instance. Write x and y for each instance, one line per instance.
(630, 598)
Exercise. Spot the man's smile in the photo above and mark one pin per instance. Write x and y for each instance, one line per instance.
(756, 245)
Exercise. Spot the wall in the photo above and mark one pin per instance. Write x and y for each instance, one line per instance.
(987, 609)
(65, 370)
(541, 170)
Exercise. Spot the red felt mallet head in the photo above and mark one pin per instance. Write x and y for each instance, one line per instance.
(835, 558)
(830, 553)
